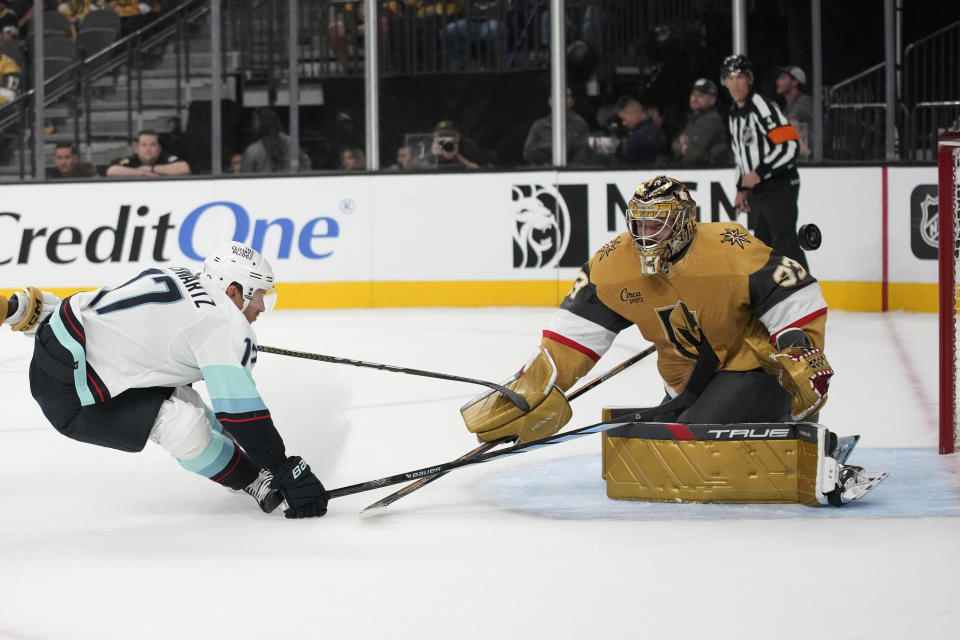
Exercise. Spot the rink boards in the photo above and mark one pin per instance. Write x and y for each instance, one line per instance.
(461, 240)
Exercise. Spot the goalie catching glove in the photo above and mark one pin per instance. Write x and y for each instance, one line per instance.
(493, 417)
(803, 371)
(27, 308)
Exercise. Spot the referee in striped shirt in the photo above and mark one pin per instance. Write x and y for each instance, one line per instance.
(765, 147)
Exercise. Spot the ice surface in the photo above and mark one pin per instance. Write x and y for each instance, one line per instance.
(97, 544)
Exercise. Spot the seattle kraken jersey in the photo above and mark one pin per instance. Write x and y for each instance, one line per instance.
(166, 328)
(726, 287)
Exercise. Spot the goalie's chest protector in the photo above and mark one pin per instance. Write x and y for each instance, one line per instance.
(705, 293)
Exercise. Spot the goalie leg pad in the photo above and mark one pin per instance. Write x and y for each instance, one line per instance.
(740, 463)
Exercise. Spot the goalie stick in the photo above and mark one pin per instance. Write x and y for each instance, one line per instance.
(513, 396)
(486, 446)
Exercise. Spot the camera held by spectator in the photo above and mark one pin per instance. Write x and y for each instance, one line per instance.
(448, 147)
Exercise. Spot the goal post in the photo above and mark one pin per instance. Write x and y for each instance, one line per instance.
(948, 160)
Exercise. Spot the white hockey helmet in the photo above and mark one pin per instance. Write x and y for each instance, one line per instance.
(234, 262)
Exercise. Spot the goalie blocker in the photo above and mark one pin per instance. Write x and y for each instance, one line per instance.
(770, 462)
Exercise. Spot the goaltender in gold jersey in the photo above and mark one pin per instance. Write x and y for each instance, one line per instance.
(738, 330)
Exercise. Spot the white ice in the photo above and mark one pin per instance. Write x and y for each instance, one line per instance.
(97, 544)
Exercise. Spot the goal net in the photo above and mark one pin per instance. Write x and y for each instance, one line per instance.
(948, 157)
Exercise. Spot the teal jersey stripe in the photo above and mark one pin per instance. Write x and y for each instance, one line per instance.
(79, 357)
(231, 389)
(213, 459)
(229, 381)
(212, 418)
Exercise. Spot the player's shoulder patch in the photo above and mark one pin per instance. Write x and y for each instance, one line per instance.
(735, 236)
(608, 248)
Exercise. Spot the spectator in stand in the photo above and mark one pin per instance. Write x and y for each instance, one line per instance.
(235, 163)
(9, 22)
(352, 159)
(479, 23)
(148, 161)
(10, 73)
(645, 143)
(797, 106)
(404, 158)
(67, 163)
(77, 10)
(348, 26)
(703, 141)
(134, 14)
(269, 153)
(453, 151)
(538, 147)
(589, 15)
(24, 12)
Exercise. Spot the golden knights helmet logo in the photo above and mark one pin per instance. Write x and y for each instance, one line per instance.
(542, 226)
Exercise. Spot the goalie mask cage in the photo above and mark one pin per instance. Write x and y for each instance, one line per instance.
(948, 158)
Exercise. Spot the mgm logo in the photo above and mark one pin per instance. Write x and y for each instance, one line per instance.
(549, 226)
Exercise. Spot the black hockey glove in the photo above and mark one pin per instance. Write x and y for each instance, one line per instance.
(305, 496)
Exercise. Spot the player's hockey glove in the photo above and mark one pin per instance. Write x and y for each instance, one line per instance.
(493, 417)
(27, 308)
(803, 371)
(305, 496)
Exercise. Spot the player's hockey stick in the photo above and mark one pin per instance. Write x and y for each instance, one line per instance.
(446, 467)
(513, 396)
(486, 446)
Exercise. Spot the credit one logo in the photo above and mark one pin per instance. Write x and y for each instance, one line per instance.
(550, 225)
(142, 234)
(316, 228)
(924, 220)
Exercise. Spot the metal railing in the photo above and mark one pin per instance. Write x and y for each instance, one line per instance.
(928, 102)
(75, 86)
(432, 36)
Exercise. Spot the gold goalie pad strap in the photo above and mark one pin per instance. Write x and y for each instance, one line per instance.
(662, 462)
(34, 310)
(492, 416)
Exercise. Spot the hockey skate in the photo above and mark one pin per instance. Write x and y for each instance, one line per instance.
(853, 483)
(268, 499)
(843, 447)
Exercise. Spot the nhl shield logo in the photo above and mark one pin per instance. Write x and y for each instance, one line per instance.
(929, 219)
(547, 231)
(924, 222)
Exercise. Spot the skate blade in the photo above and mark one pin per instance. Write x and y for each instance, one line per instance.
(864, 487)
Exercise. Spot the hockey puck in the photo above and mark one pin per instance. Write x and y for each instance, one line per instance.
(810, 237)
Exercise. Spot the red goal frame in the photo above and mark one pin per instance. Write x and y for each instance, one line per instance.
(948, 161)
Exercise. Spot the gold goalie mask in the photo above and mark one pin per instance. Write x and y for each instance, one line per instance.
(661, 217)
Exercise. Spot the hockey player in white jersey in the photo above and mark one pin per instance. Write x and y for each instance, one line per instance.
(113, 367)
